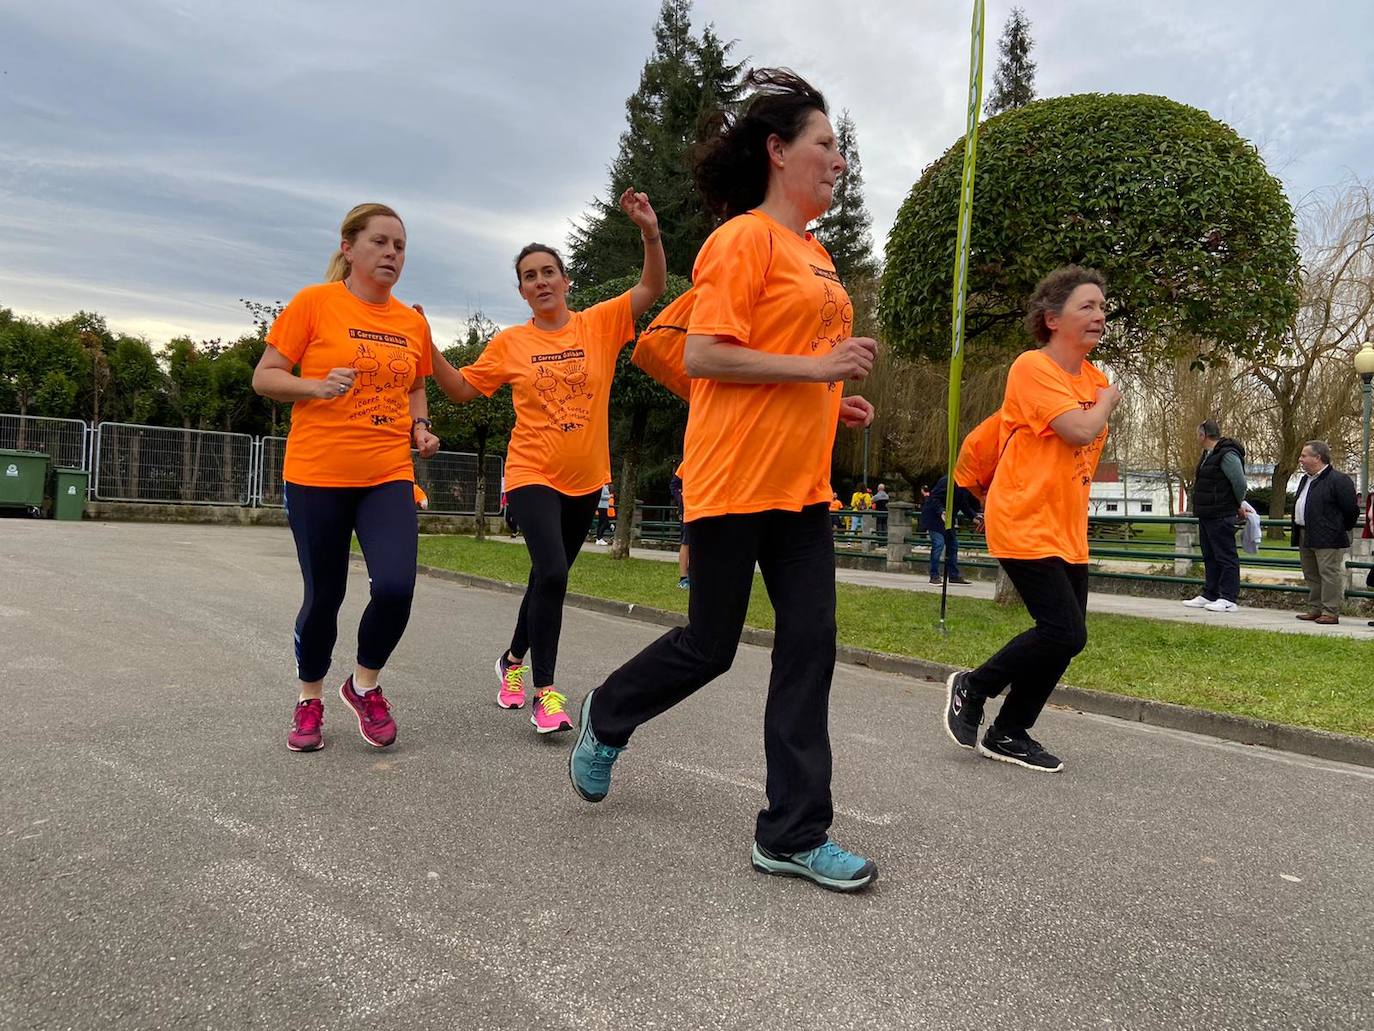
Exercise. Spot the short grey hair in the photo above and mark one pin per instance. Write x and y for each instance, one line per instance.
(1321, 449)
(1209, 429)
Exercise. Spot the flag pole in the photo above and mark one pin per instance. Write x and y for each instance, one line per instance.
(961, 261)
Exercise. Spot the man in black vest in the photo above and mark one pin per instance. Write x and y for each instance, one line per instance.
(1218, 493)
(1323, 515)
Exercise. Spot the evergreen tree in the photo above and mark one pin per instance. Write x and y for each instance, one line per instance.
(1013, 84)
(845, 230)
(684, 78)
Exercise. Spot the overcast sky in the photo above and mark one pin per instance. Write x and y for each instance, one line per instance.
(160, 159)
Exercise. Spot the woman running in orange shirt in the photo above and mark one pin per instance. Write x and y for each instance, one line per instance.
(1053, 425)
(348, 466)
(560, 365)
(768, 349)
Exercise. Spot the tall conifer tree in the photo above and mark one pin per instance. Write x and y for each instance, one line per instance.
(1013, 84)
(685, 77)
(845, 230)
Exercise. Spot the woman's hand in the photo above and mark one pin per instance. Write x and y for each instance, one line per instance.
(640, 211)
(855, 412)
(335, 385)
(425, 442)
(850, 359)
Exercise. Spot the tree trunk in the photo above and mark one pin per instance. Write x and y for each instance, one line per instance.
(629, 485)
(1004, 591)
(1278, 494)
(481, 501)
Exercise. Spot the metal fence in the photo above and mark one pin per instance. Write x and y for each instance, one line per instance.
(1139, 549)
(450, 480)
(160, 464)
(63, 440)
(271, 458)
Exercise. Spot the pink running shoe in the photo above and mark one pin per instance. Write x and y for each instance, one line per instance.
(549, 717)
(374, 714)
(511, 677)
(307, 727)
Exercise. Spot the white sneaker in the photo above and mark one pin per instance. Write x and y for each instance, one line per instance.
(1197, 603)
(601, 542)
(1220, 605)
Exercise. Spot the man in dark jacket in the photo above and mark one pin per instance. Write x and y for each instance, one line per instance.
(1218, 493)
(942, 540)
(1323, 515)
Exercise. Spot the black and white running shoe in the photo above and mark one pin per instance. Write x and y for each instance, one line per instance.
(1020, 750)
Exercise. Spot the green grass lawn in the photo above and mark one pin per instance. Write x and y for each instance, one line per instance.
(1310, 681)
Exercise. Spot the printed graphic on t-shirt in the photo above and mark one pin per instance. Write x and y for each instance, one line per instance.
(384, 373)
(560, 380)
(836, 316)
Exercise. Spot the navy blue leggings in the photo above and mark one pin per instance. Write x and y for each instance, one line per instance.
(323, 521)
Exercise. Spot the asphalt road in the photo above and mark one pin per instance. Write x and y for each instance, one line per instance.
(169, 864)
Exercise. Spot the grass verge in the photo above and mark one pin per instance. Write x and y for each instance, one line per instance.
(1303, 680)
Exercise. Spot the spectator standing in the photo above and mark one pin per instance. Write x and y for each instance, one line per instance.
(603, 514)
(880, 506)
(1323, 515)
(684, 576)
(861, 501)
(945, 542)
(1218, 498)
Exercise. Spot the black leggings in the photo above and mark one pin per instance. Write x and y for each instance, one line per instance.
(555, 526)
(795, 552)
(323, 520)
(1031, 663)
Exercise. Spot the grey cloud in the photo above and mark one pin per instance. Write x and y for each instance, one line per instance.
(163, 159)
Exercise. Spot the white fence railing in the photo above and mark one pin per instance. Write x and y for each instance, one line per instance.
(162, 464)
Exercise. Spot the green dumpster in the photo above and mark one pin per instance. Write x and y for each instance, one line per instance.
(23, 474)
(69, 493)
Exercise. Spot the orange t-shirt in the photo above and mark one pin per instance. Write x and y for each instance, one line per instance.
(751, 447)
(363, 438)
(561, 383)
(659, 350)
(1037, 505)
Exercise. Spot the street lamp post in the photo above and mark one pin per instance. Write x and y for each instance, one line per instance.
(1364, 365)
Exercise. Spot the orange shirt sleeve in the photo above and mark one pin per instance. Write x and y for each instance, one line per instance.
(425, 366)
(729, 277)
(659, 350)
(491, 370)
(294, 328)
(611, 322)
(1040, 393)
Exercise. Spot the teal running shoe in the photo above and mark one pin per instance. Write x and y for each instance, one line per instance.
(828, 865)
(590, 762)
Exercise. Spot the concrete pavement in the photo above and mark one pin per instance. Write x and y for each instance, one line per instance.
(169, 864)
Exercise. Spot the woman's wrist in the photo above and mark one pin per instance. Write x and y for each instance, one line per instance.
(649, 240)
